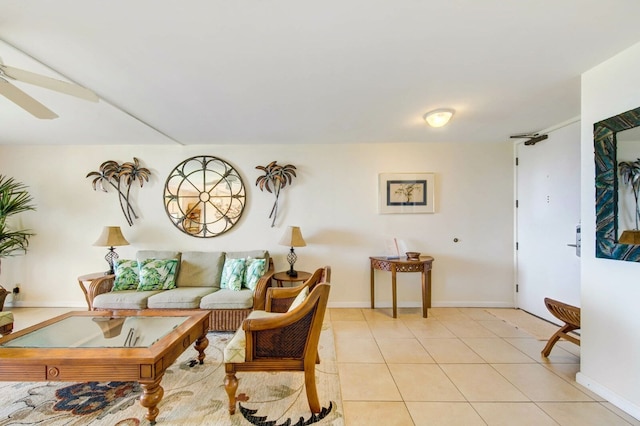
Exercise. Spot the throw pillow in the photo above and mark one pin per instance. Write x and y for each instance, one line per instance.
(254, 270)
(232, 274)
(299, 299)
(126, 272)
(157, 274)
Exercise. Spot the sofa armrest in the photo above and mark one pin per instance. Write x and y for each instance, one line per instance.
(99, 286)
(260, 293)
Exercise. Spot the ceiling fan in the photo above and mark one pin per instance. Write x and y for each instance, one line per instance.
(534, 138)
(29, 104)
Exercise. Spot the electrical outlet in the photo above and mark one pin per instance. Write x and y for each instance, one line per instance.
(16, 289)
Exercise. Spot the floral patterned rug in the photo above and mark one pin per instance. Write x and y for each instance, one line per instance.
(193, 395)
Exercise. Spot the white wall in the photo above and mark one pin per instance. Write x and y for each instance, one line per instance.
(610, 289)
(334, 200)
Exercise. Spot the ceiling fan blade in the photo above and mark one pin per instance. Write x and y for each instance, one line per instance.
(48, 83)
(25, 101)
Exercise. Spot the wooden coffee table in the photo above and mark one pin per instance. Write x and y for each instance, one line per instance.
(105, 346)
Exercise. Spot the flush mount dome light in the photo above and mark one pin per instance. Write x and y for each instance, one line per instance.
(438, 117)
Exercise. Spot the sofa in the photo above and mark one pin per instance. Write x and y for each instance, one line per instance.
(228, 284)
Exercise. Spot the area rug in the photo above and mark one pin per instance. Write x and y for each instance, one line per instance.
(193, 395)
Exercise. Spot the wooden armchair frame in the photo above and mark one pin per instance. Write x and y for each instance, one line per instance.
(287, 342)
(280, 298)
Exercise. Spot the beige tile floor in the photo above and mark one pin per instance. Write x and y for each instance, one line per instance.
(460, 366)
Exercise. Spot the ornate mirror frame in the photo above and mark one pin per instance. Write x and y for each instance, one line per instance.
(204, 196)
(605, 147)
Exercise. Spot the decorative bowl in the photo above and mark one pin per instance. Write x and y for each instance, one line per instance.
(413, 255)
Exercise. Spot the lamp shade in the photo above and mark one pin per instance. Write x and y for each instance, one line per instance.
(292, 237)
(438, 117)
(111, 237)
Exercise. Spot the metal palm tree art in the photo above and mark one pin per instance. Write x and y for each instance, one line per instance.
(118, 176)
(274, 179)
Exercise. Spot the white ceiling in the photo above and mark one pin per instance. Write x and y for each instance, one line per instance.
(295, 71)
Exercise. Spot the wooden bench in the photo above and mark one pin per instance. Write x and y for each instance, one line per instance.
(568, 314)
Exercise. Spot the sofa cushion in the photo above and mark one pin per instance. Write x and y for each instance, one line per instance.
(254, 270)
(236, 348)
(127, 275)
(256, 254)
(158, 274)
(201, 269)
(228, 299)
(179, 298)
(126, 299)
(232, 274)
(159, 254)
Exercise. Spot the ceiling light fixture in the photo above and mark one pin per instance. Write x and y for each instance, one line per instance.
(438, 117)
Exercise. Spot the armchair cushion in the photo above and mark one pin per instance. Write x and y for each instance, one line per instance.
(235, 349)
(299, 299)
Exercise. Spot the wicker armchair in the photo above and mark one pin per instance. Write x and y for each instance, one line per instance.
(279, 299)
(568, 314)
(279, 342)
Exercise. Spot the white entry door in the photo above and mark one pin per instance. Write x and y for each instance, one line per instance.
(548, 194)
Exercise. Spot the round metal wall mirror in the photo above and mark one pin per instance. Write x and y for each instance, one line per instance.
(204, 196)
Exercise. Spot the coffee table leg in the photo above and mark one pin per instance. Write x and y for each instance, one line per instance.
(200, 346)
(151, 397)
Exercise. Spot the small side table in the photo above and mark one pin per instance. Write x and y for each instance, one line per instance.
(85, 282)
(403, 264)
(282, 277)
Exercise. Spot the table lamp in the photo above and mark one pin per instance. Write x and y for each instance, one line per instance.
(111, 237)
(292, 238)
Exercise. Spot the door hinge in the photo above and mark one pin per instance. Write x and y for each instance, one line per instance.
(516, 161)
(517, 245)
(517, 288)
(516, 204)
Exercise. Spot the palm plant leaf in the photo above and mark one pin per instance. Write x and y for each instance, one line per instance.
(14, 199)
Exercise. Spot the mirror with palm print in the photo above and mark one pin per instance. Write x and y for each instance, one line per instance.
(204, 196)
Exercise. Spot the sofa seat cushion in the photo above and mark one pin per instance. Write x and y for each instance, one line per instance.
(179, 298)
(6, 318)
(125, 299)
(236, 348)
(228, 299)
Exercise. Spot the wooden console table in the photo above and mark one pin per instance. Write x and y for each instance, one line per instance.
(404, 265)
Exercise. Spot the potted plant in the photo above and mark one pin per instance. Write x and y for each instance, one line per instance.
(14, 199)
(630, 174)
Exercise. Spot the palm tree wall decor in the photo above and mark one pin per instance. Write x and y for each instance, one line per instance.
(119, 177)
(14, 199)
(275, 178)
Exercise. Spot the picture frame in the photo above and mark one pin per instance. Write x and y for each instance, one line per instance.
(406, 193)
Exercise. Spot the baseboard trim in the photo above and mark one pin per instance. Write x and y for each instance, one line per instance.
(612, 397)
(458, 304)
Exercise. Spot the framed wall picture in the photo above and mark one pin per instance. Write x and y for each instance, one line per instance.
(406, 193)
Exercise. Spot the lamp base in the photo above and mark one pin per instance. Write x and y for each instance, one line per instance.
(291, 258)
(111, 257)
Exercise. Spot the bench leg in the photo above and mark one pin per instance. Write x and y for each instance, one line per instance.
(556, 336)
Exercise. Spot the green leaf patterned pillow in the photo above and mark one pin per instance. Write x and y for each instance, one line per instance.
(254, 270)
(127, 275)
(232, 274)
(157, 274)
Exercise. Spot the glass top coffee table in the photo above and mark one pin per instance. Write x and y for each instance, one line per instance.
(105, 346)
